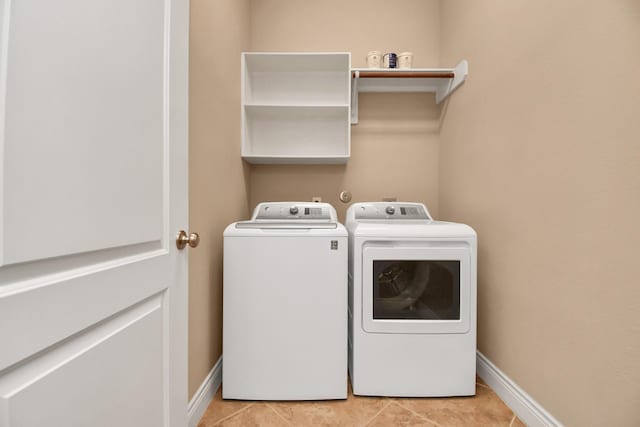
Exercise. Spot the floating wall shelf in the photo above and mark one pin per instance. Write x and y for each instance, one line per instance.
(441, 81)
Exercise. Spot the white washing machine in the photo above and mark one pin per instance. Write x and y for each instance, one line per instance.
(285, 304)
(412, 302)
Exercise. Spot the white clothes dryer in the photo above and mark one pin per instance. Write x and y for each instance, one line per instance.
(285, 304)
(412, 302)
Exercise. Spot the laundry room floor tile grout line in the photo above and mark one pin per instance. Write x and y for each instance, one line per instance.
(386, 405)
(483, 385)
(422, 417)
(239, 411)
(278, 414)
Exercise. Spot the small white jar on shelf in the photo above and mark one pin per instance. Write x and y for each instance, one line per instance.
(405, 60)
(374, 59)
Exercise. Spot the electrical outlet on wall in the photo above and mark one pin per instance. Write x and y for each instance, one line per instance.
(316, 199)
(389, 199)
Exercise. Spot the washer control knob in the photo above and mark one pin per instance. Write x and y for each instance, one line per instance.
(390, 210)
(293, 210)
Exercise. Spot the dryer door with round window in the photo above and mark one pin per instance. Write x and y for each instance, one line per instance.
(422, 289)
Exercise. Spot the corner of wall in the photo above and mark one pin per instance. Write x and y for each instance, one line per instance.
(218, 177)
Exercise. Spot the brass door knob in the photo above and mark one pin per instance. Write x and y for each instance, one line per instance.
(183, 240)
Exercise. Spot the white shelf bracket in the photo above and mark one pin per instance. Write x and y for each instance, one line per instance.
(354, 98)
(460, 75)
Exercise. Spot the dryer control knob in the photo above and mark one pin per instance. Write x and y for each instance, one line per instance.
(390, 210)
(293, 210)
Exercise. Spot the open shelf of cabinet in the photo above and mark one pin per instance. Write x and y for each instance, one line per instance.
(296, 107)
(441, 81)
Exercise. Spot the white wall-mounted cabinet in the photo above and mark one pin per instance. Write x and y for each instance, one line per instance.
(296, 107)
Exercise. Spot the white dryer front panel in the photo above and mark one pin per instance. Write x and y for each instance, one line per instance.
(416, 289)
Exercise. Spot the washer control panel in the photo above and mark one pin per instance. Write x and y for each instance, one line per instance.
(392, 211)
(294, 211)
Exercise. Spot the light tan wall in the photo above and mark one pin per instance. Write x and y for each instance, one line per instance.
(394, 148)
(217, 177)
(540, 152)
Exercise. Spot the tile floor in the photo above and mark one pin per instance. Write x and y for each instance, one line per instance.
(483, 409)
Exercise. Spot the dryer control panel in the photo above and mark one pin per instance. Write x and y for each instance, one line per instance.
(391, 211)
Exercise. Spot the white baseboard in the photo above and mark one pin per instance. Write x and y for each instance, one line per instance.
(523, 405)
(200, 401)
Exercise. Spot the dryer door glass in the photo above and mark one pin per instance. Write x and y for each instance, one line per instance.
(416, 289)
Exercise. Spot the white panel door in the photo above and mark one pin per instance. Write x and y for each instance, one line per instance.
(93, 190)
